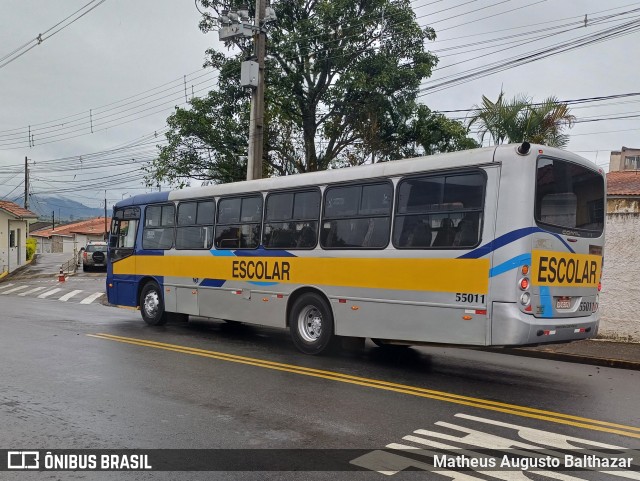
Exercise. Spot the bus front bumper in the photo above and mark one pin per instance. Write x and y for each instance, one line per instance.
(512, 327)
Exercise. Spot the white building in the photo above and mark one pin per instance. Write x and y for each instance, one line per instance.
(14, 228)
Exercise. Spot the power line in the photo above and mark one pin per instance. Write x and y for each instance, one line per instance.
(23, 49)
(488, 69)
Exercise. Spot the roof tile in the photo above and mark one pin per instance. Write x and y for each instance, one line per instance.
(16, 210)
(87, 227)
(623, 183)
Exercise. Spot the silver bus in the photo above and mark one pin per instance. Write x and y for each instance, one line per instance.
(498, 246)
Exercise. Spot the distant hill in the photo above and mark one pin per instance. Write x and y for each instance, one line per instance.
(65, 209)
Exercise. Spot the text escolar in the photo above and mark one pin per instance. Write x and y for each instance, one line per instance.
(260, 270)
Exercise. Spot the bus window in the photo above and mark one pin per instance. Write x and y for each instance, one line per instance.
(195, 225)
(439, 211)
(124, 226)
(158, 227)
(291, 220)
(357, 216)
(239, 222)
(569, 196)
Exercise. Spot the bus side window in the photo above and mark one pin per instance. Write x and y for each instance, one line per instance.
(357, 216)
(449, 205)
(446, 233)
(239, 222)
(467, 230)
(291, 220)
(420, 235)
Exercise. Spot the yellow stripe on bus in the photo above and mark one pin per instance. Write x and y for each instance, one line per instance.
(550, 268)
(439, 275)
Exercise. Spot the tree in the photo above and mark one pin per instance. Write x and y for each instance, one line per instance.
(342, 79)
(520, 119)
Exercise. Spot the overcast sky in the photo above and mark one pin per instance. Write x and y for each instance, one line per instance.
(119, 71)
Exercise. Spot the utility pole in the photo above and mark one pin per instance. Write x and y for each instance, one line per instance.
(105, 215)
(53, 220)
(256, 121)
(236, 25)
(26, 183)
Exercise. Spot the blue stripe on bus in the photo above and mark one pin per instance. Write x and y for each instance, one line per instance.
(222, 253)
(259, 252)
(512, 263)
(150, 252)
(262, 252)
(508, 238)
(212, 283)
(260, 283)
(545, 301)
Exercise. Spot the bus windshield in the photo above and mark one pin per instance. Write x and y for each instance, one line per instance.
(569, 196)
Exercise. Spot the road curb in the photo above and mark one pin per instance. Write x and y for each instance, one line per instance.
(566, 357)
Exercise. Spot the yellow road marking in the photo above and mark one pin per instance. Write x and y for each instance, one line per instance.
(514, 409)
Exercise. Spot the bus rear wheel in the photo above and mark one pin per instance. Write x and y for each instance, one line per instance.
(311, 323)
(152, 305)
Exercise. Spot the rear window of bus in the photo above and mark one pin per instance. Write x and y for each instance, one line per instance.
(569, 196)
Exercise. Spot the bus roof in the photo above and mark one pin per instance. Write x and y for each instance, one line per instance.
(480, 156)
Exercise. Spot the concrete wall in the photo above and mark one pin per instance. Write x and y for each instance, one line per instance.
(620, 296)
(623, 205)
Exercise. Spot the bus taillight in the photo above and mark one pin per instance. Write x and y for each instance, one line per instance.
(599, 286)
(524, 284)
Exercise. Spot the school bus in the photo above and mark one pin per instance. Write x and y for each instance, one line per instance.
(497, 246)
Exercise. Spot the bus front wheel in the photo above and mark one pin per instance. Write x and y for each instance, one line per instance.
(152, 306)
(311, 323)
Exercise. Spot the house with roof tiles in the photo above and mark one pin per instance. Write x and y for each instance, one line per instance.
(623, 192)
(71, 238)
(14, 228)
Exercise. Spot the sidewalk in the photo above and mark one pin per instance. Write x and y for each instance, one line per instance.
(597, 352)
(44, 266)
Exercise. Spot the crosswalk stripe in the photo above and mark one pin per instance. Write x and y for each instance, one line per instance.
(4, 286)
(91, 298)
(15, 289)
(68, 296)
(36, 289)
(49, 293)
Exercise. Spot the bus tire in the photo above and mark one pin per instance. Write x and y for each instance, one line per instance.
(152, 305)
(311, 323)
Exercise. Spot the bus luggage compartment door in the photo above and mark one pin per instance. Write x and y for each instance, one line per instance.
(187, 300)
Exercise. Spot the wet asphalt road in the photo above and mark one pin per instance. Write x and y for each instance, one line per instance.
(64, 388)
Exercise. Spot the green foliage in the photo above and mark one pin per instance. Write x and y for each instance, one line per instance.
(520, 119)
(32, 244)
(341, 84)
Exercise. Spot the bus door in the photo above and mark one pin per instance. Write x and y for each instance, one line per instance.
(121, 268)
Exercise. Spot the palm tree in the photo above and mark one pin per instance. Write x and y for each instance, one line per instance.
(519, 119)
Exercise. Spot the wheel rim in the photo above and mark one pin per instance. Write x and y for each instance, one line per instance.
(310, 323)
(151, 303)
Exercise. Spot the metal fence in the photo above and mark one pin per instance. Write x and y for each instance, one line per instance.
(70, 266)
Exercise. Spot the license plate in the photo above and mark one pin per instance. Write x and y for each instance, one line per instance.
(563, 303)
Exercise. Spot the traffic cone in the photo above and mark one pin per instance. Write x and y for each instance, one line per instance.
(61, 277)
